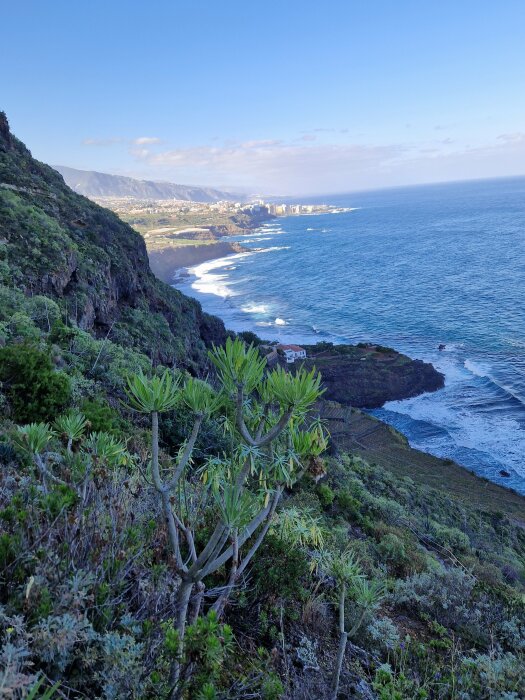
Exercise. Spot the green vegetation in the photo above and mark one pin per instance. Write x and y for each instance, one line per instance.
(165, 536)
(66, 258)
(409, 593)
(33, 387)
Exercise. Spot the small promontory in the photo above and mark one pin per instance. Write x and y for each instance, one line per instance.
(367, 376)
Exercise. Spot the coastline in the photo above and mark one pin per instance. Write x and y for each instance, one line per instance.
(167, 263)
(358, 433)
(421, 465)
(171, 251)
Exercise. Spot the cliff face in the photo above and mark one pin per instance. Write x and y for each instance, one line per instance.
(60, 244)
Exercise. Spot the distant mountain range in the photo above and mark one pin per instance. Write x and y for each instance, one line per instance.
(93, 184)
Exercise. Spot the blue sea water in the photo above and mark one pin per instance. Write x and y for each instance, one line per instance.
(410, 268)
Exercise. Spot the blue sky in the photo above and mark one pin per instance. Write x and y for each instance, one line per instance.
(283, 97)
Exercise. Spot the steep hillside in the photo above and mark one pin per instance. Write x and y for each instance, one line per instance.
(94, 184)
(60, 244)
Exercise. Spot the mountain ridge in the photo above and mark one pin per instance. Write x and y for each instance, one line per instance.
(93, 183)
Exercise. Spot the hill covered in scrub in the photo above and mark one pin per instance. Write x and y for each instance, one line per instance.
(164, 536)
(61, 245)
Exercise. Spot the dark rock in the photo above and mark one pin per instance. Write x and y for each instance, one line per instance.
(367, 376)
(5, 134)
(504, 472)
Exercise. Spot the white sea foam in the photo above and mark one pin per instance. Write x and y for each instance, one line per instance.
(209, 282)
(254, 308)
(450, 366)
(280, 322)
(274, 248)
(485, 371)
(501, 437)
(479, 369)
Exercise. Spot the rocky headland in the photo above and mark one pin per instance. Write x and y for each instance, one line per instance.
(367, 376)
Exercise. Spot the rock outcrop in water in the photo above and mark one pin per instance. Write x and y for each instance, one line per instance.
(367, 376)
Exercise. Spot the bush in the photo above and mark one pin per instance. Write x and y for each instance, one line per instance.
(444, 594)
(325, 495)
(349, 505)
(450, 537)
(101, 417)
(35, 390)
(392, 549)
(279, 568)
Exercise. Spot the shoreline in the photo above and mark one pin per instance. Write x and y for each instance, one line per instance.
(445, 468)
(167, 263)
(360, 434)
(211, 243)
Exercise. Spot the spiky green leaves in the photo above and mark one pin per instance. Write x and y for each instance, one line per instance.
(200, 397)
(367, 594)
(160, 394)
(71, 426)
(309, 443)
(292, 391)
(153, 394)
(236, 507)
(238, 365)
(34, 438)
(299, 527)
(106, 449)
(343, 566)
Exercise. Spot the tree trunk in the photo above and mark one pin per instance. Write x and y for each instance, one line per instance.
(183, 600)
(343, 636)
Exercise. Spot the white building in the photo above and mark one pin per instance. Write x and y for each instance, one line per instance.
(292, 352)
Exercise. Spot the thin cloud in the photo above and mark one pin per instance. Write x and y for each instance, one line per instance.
(139, 141)
(101, 142)
(516, 137)
(309, 167)
(146, 140)
(270, 164)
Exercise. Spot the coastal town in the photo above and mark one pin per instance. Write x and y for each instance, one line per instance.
(130, 208)
(179, 234)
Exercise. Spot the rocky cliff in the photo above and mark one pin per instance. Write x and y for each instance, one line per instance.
(62, 245)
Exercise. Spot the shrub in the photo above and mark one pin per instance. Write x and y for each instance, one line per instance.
(250, 338)
(279, 568)
(35, 390)
(443, 594)
(383, 633)
(392, 549)
(102, 417)
(325, 495)
(487, 676)
(450, 537)
(349, 505)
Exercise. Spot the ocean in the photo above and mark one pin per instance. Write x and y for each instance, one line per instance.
(411, 268)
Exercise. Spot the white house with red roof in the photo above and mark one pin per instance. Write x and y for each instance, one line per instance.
(292, 352)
